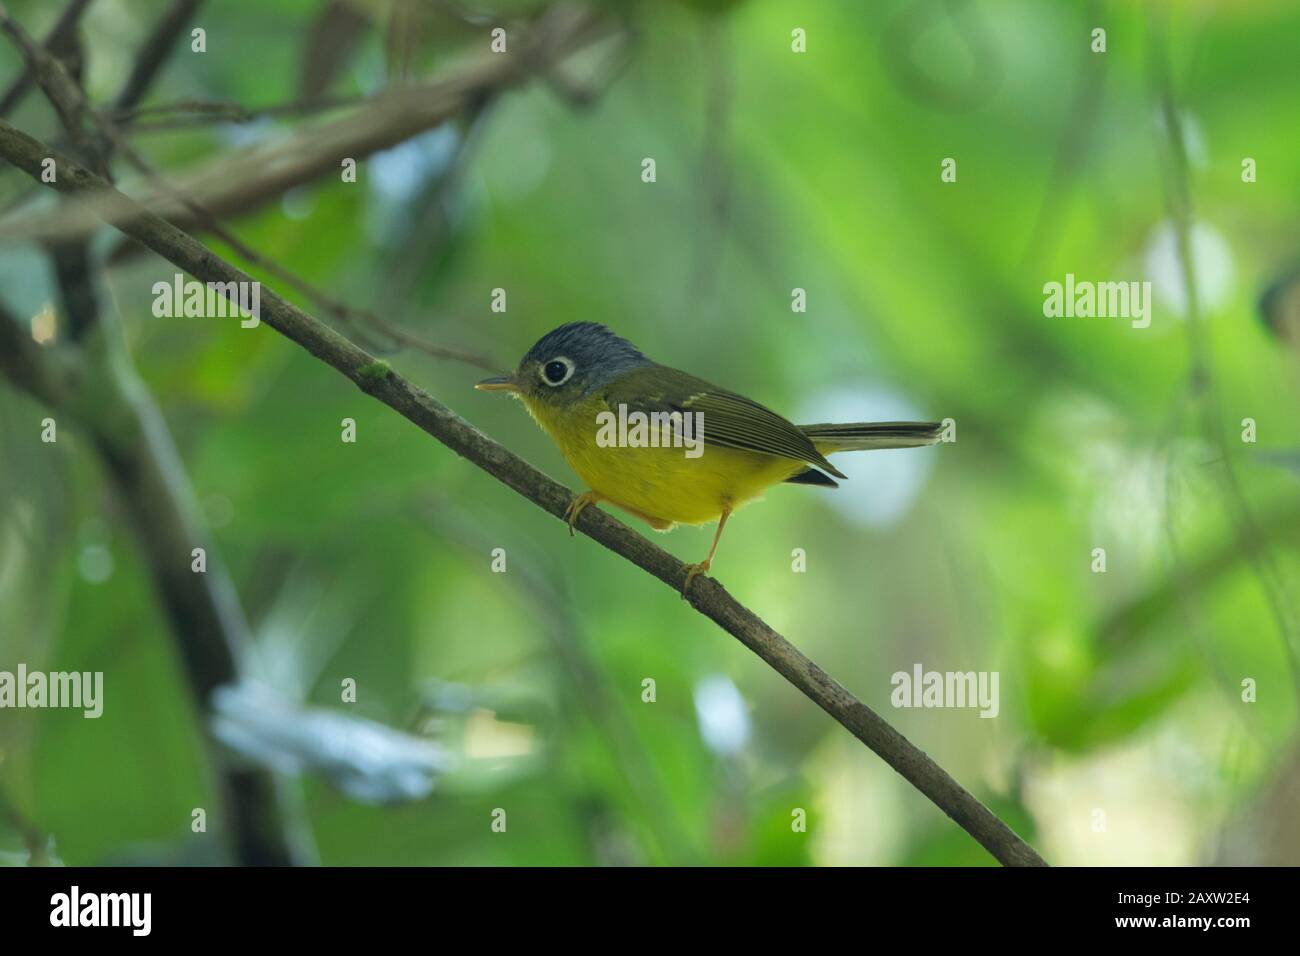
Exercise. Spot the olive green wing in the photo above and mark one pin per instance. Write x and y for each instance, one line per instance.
(730, 420)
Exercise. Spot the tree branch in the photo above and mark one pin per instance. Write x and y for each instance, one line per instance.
(72, 255)
(242, 181)
(124, 425)
(60, 38)
(157, 48)
(188, 113)
(24, 363)
(59, 86)
(376, 379)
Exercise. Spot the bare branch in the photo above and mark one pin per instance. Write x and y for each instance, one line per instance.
(70, 255)
(58, 39)
(126, 428)
(60, 88)
(24, 363)
(242, 181)
(708, 596)
(157, 48)
(182, 114)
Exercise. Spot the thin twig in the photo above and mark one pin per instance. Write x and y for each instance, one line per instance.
(63, 30)
(126, 429)
(187, 114)
(1202, 384)
(154, 53)
(562, 628)
(242, 181)
(34, 839)
(60, 88)
(71, 104)
(377, 380)
(1072, 151)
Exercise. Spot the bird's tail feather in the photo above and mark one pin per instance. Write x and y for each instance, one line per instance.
(859, 436)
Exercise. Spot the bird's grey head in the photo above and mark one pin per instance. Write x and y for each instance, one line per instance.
(575, 359)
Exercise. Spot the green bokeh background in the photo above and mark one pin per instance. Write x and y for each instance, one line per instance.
(1120, 692)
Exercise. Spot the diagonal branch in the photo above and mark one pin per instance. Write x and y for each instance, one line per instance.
(59, 39)
(551, 34)
(378, 380)
(59, 86)
(237, 183)
(155, 52)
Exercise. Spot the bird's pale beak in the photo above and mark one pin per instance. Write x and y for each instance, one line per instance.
(502, 383)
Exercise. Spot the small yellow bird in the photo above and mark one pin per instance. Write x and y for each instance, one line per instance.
(666, 446)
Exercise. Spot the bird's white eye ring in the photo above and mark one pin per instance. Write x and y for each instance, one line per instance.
(557, 371)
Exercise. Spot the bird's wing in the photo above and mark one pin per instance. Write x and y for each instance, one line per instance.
(730, 420)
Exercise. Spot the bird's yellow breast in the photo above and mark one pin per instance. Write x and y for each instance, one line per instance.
(659, 484)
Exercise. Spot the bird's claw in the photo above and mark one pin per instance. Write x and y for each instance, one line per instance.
(692, 572)
(576, 506)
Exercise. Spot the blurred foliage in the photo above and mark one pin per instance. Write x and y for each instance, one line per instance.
(372, 561)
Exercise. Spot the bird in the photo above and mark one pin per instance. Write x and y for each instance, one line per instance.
(670, 448)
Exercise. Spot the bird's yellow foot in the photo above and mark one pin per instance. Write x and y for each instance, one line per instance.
(692, 572)
(576, 506)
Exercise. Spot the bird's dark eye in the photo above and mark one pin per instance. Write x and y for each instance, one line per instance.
(557, 371)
